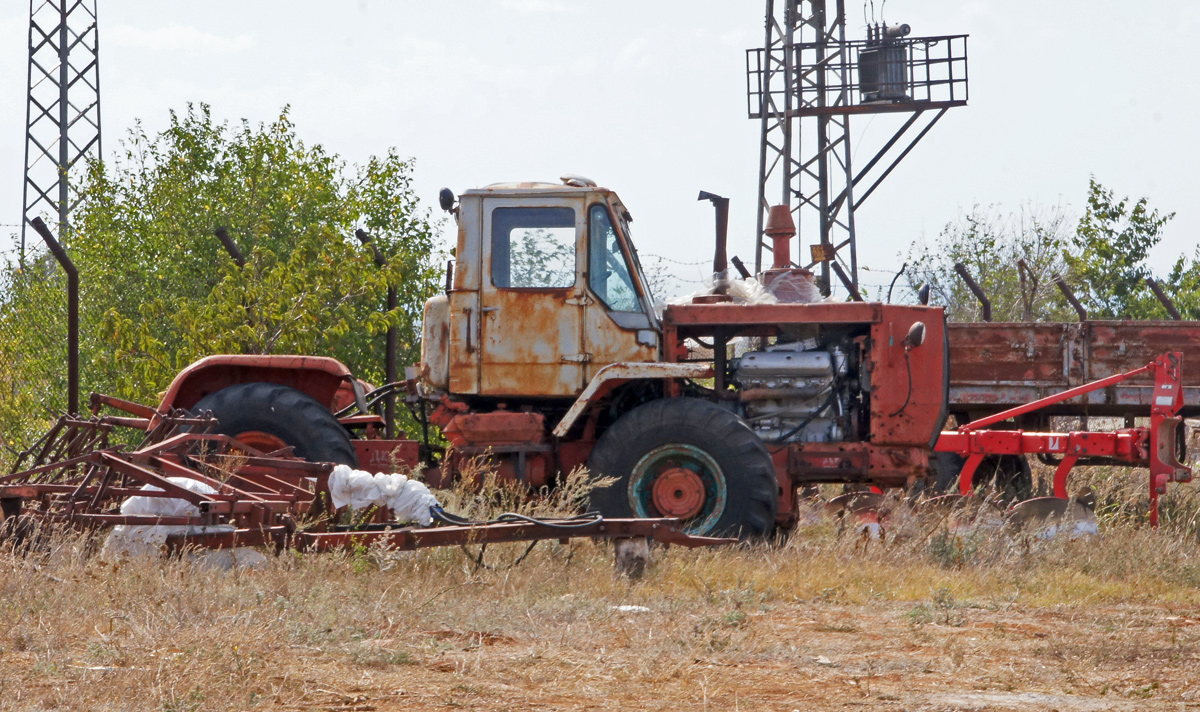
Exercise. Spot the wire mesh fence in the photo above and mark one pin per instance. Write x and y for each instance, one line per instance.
(33, 346)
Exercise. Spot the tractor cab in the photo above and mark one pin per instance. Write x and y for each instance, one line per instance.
(544, 291)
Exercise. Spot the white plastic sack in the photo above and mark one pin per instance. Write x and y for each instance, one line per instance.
(740, 291)
(750, 291)
(352, 487)
(167, 506)
(795, 287)
(148, 539)
(409, 500)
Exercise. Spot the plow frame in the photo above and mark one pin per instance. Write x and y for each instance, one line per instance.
(1152, 447)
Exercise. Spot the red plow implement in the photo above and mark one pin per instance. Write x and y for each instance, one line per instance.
(1153, 447)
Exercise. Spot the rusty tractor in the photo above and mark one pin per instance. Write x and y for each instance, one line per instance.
(546, 353)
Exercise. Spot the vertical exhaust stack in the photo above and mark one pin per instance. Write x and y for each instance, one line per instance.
(787, 283)
(721, 255)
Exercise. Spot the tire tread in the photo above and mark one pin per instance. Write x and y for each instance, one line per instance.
(751, 499)
(289, 414)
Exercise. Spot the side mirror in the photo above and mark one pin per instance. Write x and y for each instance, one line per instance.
(923, 295)
(915, 336)
(446, 199)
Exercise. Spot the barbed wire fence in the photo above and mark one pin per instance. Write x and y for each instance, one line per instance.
(667, 280)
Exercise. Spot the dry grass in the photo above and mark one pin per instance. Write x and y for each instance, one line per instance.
(479, 495)
(921, 621)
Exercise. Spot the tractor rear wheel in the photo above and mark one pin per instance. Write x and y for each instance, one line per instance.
(689, 459)
(268, 416)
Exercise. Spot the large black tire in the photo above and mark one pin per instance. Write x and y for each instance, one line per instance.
(1010, 475)
(294, 417)
(682, 435)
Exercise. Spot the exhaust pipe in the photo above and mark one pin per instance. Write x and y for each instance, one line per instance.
(720, 258)
(781, 229)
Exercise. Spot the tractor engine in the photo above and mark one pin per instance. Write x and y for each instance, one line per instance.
(797, 392)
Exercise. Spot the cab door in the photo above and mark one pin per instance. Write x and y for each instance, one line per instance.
(530, 316)
(617, 326)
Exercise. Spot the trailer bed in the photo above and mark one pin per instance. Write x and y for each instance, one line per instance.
(994, 366)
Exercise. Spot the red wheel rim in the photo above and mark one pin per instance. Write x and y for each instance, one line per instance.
(261, 441)
(678, 492)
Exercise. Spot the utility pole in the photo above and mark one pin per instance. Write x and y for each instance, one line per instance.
(804, 84)
(62, 119)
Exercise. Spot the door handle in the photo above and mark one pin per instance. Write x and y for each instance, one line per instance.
(489, 310)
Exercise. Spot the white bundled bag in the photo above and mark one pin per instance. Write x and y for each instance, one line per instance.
(409, 500)
(148, 539)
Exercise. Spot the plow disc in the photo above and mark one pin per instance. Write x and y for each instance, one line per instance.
(876, 516)
(1054, 514)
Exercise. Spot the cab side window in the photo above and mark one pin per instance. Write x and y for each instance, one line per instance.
(533, 248)
(608, 272)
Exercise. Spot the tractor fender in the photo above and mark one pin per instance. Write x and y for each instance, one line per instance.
(615, 374)
(322, 378)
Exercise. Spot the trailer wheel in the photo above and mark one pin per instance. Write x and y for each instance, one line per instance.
(689, 459)
(268, 416)
(1010, 474)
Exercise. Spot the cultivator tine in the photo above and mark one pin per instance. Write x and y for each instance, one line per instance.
(44, 446)
(98, 497)
(81, 489)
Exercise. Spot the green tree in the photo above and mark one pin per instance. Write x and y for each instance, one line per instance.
(1103, 258)
(1108, 256)
(158, 290)
(1182, 285)
(990, 244)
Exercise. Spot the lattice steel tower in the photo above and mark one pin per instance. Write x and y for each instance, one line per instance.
(62, 124)
(805, 84)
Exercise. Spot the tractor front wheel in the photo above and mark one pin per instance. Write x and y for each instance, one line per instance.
(691, 460)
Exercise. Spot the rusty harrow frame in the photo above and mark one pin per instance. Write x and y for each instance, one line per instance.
(74, 477)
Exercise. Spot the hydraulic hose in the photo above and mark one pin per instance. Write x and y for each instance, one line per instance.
(575, 522)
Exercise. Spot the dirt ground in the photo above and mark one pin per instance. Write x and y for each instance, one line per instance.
(820, 627)
(808, 657)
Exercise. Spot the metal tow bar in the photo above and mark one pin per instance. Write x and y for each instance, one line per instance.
(664, 531)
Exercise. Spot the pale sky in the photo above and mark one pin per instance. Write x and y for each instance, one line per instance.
(648, 98)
